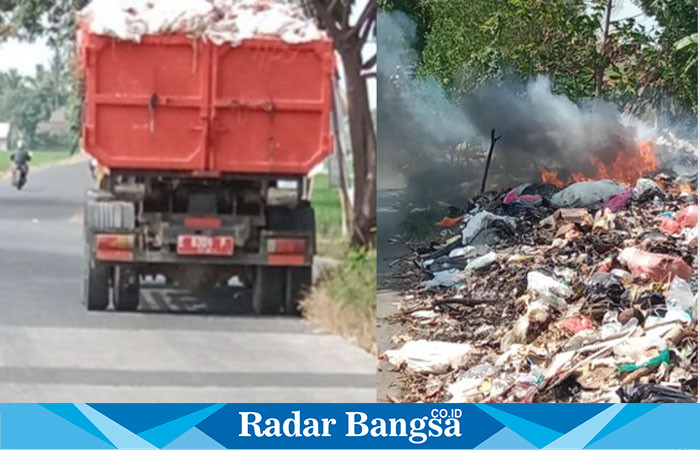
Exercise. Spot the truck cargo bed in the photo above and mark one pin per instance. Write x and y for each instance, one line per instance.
(172, 103)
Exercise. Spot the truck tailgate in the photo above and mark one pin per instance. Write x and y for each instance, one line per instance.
(171, 103)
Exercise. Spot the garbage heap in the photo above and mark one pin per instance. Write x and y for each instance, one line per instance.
(542, 294)
(220, 21)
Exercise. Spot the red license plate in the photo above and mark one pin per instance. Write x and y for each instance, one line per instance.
(194, 245)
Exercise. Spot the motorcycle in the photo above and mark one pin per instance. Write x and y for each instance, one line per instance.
(19, 176)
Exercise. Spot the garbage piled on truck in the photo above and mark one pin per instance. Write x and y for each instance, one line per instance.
(220, 21)
(586, 293)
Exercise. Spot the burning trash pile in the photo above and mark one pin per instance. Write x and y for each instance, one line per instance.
(569, 289)
(220, 21)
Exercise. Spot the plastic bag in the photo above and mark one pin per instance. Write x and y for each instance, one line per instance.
(619, 201)
(577, 323)
(653, 393)
(680, 297)
(663, 357)
(688, 217)
(517, 196)
(447, 278)
(654, 266)
(669, 226)
(602, 288)
(482, 261)
(586, 193)
(483, 221)
(430, 356)
(548, 289)
(645, 189)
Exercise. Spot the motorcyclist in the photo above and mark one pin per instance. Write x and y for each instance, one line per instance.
(21, 157)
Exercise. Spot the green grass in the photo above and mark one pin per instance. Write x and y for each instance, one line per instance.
(39, 159)
(354, 284)
(326, 202)
(329, 218)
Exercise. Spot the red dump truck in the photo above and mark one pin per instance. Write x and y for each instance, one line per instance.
(208, 148)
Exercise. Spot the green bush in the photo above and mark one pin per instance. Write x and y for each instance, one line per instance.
(354, 284)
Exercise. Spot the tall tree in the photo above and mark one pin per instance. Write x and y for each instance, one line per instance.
(350, 38)
(670, 67)
(50, 19)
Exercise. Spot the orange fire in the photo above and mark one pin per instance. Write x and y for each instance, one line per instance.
(626, 166)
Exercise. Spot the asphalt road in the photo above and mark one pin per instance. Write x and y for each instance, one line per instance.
(177, 348)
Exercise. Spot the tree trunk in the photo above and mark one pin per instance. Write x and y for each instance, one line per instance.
(340, 153)
(364, 147)
(604, 54)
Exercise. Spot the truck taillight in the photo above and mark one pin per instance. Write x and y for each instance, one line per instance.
(286, 246)
(114, 247)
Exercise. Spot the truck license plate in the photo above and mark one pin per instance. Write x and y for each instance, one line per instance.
(194, 245)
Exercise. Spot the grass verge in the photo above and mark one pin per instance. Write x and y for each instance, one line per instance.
(325, 200)
(344, 302)
(39, 159)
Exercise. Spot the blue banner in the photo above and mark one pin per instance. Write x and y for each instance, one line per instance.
(345, 426)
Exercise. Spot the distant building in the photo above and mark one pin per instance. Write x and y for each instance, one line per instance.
(4, 136)
(57, 124)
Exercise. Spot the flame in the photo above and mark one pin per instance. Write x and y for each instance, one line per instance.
(626, 166)
(552, 178)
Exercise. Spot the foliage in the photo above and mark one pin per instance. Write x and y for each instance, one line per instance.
(355, 282)
(27, 101)
(29, 19)
(326, 202)
(670, 67)
(466, 42)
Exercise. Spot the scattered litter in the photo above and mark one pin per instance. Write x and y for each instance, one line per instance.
(581, 294)
(449, 222)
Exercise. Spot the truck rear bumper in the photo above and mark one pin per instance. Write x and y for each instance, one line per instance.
(277, 250)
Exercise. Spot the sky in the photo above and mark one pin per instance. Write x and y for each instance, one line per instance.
(24, 56)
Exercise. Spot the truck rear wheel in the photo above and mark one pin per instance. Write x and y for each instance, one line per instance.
(268, 290)
(96, 285)
(96, 278)
(279, 289)
(300, 282)
(126, 289)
